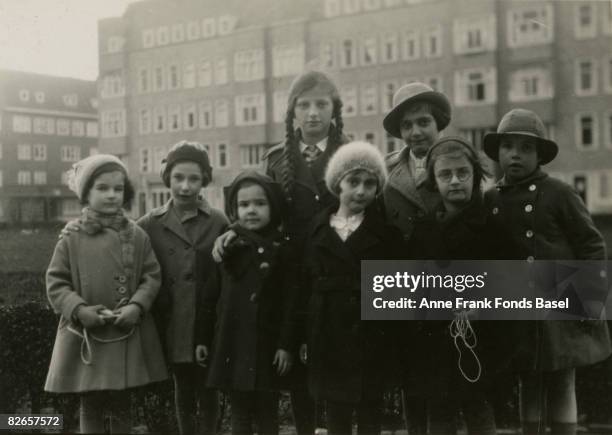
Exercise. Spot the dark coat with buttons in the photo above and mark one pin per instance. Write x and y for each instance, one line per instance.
(349, 359)
(547, 220)
(186, 266)
(406, 203)
(254, 311)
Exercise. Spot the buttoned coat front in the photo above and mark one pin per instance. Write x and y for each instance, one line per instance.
(406, 203)
(186, 264)
(88, 269)
(547, 220)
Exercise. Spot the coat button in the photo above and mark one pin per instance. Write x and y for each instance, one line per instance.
(253, 297)
(529, 208)
(121, 290)
(532, 187)
(495, 210)
(316, 197)
(529, 234)
(260, 250)
(530, 259)
(122, 279)
(264, 266)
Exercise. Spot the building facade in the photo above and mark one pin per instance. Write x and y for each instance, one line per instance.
(46, 124)
(219, 72)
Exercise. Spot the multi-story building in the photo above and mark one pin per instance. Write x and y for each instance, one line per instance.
(219, 72)
(46, 124)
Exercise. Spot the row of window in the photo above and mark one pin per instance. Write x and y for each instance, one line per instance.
(585, 19)
(586, 73)
(38, 152)
(151, 157)
(54, 126)
(70, 100)
(587, 130)
(333, 8)
(190, 31)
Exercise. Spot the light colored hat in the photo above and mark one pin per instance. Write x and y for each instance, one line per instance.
(411, 93)
(355, 156)
(83, 170)
(521, 122)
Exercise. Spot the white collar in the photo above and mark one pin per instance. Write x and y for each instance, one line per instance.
(418, 163)
(344, 227)
(322, 145)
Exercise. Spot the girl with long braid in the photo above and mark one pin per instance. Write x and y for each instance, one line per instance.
(313, 134)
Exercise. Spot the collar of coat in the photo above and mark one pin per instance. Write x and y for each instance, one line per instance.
(401, 178)
(172, 222)
(203, 206)
(536, 176)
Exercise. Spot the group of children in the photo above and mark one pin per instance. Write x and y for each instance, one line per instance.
(277, 307)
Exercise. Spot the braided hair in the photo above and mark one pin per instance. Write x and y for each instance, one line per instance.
(291, 151)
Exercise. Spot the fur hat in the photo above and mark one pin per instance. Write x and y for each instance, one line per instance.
(190, 152)
(83, 170)
(355, 156)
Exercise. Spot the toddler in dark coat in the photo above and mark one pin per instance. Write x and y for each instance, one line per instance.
(253, 342)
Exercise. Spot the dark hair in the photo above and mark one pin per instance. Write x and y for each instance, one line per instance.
(292, 138)
(128, 188)
(455, 145)
(168, 172)
(439, 116)
(273, 195)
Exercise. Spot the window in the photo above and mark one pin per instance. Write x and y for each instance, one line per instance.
(178, 33)
(280, 105)
(78, 128)
(389, 48)
(391, 143)
(606, 16)
(189, 117)
(411, 48)
(173, 77)
(144, 79)
(248, 65)
(288, 60)
(327, 55)
(64, 178)
(70, 100)
(205, 114)
(39, 152)
(227, 24)
(432, 42)
(205, 73)
(115, 44)
(369, 98)
(209, 27)
(193, 30)
(91, 129)
(63, 127)
(24, 152)
(221, 113)
(159, 79)
(585, 77)
(348, 54)
(44, 126)
(40, 177)
(159, 197)
(250, 109)
(370, 137)
(475, 86)
(39, 97)
(530, 84)
(222, 155)
(221, 71)
(24, 178)
(387, 91)
(22, 124)
(71, 207)
(148, 38)
(145, 162)
(189, 75)
(331, 8)
(250, 155)
(607, 131)
(530, 25)
(24, 95)
(174, 117)
(351, 6)
(112, 86)
(584, 20)
(162, 35)
(70, 153)
(474, 35)
(586, 131)
(368, 51)
(434, 82)
(113, 123)
(476, 135)
(349, 98)
(144, 121)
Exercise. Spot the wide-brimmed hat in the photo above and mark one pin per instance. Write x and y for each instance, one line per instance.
(416, 92)
(521, 122)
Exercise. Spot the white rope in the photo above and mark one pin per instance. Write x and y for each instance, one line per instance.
(461, 329)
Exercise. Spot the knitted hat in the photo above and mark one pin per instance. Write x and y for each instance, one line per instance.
(190, 152)
(524, 123)
(355, 156)
(83, 170)
(413, 93)
(273, 191)
(308, 80)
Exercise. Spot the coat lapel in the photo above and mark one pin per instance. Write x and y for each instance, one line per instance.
(402, 180)
(170, 221)
(367, 235)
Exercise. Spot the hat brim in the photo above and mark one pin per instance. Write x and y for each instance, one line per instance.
(547, 149)
(391, 122)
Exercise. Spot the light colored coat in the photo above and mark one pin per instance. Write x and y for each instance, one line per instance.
(87, 269)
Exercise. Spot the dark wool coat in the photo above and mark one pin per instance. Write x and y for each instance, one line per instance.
(186, 265)
(255, 317)
(547, 220)
(88, 269)
(348, 358)
(406, 203)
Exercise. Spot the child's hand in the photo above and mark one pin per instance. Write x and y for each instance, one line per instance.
(283, 362)
(304, 353)
(201, 355)
(221, 243)
(72, 226)
(129, 316)
(88, 315)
